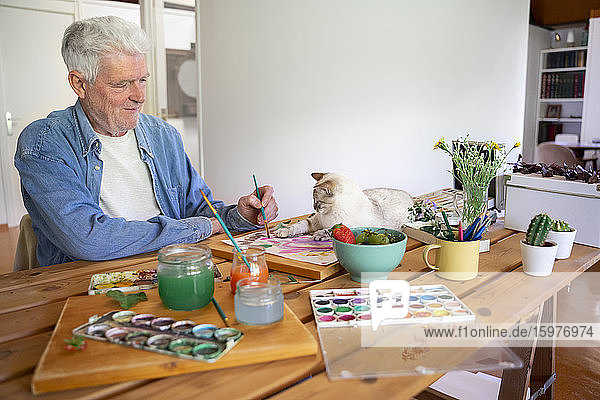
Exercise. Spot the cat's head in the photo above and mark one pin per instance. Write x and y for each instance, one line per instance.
(330, 189)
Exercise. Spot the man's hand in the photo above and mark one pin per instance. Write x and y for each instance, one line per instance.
(216, 226)
(249, 206)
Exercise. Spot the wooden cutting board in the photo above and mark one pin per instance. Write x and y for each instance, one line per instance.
(103, 363)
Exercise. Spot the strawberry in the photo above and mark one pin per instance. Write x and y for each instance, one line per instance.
(343, 234)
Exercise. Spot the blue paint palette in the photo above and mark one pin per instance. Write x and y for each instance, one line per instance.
(352, 307)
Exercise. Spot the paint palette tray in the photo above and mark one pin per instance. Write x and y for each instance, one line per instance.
(399, 346)
(125, 281)
(183, 339)
(128, 281)
(352, 307)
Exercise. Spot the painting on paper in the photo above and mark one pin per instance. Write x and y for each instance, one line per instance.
(300, 248)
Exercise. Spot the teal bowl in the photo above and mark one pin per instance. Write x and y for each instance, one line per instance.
(367, 263)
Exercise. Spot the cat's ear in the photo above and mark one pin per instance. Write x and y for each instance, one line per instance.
(317, 175)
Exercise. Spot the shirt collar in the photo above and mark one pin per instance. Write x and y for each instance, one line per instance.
(88, 137)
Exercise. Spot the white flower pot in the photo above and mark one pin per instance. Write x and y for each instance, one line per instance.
(565, 242)
(538, 260)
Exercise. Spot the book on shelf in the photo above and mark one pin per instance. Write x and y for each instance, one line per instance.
(560, 85)
(548, 131)
(567, 59)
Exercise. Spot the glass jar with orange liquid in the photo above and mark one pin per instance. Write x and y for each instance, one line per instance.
(255, 255)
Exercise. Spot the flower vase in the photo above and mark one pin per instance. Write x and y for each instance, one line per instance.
(475, 202)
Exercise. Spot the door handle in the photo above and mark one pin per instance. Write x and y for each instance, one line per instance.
(9, 122)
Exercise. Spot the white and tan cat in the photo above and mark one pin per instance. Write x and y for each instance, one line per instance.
(338, 199)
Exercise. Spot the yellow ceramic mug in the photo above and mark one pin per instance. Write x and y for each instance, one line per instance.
(457, 261)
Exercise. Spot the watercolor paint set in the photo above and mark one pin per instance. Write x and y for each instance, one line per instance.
(128, 281)
(183, 339)
(125, 281)
(353, 307)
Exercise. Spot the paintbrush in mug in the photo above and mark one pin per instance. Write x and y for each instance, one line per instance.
(262, 208)
(220, 311)
(460, 231)
(482, 222)
(481, 231)
(226, 230)
(447, 223)
(469, 232)
(487, 221)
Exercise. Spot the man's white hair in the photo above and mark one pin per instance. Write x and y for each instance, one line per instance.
(85, 42)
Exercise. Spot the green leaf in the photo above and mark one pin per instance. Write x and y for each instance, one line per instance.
(76, 341)
(127, 300)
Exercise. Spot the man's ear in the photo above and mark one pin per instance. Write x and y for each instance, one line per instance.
(78, 84)
(317, 175)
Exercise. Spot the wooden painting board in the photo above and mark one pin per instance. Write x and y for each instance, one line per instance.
(277, 263)
(103, 363)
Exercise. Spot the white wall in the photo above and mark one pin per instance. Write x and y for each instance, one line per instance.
(539, 38)
(360, 87)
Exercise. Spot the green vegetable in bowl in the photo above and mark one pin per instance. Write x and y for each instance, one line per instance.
(377, 237)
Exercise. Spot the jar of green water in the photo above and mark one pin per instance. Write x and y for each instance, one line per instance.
(186, 278)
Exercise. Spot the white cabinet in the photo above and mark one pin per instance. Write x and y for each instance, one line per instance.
(560, 97)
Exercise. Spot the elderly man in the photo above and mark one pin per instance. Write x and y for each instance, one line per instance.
(101, 180)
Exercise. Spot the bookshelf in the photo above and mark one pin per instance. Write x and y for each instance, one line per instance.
(560, 97)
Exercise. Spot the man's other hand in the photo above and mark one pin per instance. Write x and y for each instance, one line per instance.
(249, 206)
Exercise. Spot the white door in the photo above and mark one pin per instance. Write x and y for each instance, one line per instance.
(33, 81)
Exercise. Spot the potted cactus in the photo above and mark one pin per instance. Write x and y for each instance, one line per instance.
(537, 252)
(564, 236)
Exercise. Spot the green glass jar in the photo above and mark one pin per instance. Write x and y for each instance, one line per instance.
(186, 278)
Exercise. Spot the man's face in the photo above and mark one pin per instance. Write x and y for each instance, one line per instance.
(114, 101)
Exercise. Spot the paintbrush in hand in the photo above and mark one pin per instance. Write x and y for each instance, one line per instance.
(262, 208)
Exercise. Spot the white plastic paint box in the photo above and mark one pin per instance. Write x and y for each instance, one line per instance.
(576, 202)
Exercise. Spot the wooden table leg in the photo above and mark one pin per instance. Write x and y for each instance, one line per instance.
(515, 381)
(544, 360)
(538, 363)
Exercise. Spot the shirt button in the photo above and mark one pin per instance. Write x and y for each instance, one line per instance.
(97, 167)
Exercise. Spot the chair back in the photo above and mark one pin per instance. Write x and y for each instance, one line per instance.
(566, 138)
(25, 256)
(549, 153)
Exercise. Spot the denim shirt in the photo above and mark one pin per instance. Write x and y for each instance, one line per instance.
(58, 159)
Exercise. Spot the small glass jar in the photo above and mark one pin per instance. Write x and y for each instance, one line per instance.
(186, 279)
(255, 255)
(258, 303)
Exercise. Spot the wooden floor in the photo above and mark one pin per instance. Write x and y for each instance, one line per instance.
(577, 369)
(8, 245)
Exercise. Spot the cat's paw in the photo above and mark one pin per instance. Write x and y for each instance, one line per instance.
(322, 235)
(284, 232)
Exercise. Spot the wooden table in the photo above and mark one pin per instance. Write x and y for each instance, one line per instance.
(31, 302)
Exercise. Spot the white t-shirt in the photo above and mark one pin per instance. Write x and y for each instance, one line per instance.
(126, 189)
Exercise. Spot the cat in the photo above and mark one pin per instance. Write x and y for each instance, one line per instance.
(338, 199)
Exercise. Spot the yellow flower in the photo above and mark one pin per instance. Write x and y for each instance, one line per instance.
(518, 144)
(440, 144)
(493, 145)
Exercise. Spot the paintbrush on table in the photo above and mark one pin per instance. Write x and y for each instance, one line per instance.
(262, 209)
(221, 313)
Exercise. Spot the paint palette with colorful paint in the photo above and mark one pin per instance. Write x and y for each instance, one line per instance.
(128, 281)
(183, 339)
(353, 308)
